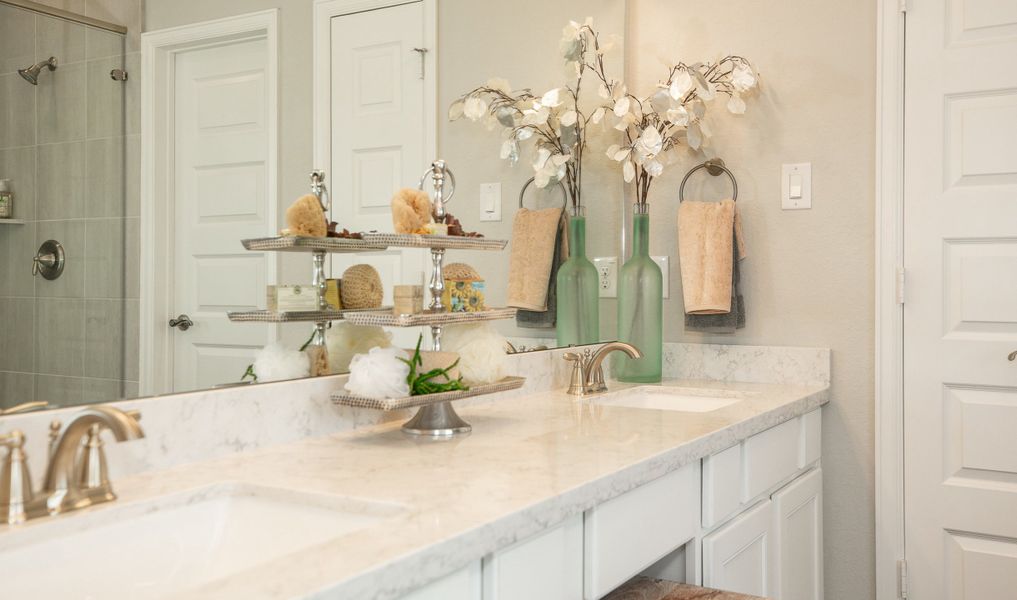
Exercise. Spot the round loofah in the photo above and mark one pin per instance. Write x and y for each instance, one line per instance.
(411, 211)
(461, 272)
(361, 287)
(305, 218)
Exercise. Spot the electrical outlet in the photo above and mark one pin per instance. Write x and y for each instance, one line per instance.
(664, 263)
(607, 269)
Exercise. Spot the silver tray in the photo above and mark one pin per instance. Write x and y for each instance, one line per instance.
(290, 316)
(387, 319)
(508, 383)
(289, 243)
(445, 242)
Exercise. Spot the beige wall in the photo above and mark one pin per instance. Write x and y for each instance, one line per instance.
(809, 276)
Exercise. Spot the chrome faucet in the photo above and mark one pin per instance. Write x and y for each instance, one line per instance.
(76, 476)
(587, 369)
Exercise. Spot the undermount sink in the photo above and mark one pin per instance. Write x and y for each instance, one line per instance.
(681, 399)
(174, 543)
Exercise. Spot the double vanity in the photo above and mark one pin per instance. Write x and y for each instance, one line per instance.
(707, 478)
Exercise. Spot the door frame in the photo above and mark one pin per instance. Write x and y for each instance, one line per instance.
(158, 50)
(324, 11)
(889, 296)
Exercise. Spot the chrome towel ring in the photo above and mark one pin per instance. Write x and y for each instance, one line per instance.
(564, 194)
(713, 166)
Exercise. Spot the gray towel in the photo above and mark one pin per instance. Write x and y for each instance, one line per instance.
(726, 322)
(545, 319)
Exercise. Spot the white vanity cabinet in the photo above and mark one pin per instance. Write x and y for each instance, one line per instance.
(772, 483)
(464, 584)
(548, 566)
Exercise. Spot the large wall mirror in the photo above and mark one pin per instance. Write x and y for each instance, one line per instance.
(108, 291)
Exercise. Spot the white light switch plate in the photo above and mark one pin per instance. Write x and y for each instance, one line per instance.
(490, 202)
(607, 268)
(664, 263)
(791, 176)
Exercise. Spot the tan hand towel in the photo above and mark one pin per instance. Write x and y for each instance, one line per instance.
(706, 232)
(533, 234)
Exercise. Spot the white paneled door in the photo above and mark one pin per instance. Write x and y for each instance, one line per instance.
(378, 119)
(960, 314)
(221, 195)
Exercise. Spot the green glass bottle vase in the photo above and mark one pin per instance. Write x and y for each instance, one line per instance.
(640, 306)
(578, 306)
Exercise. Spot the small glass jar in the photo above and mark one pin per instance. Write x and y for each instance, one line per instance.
(6, 199)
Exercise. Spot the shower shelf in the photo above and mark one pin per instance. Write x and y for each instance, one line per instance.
(11, 222)
(387, 319)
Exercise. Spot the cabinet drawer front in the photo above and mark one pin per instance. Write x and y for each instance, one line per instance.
(464, 584)
(738, 557)
(546, 567)
(771, 457)
(629, 533)
(722, 485)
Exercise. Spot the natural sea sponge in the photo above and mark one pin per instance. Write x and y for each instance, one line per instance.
(305, 218)
(361, 288)
(411, 211)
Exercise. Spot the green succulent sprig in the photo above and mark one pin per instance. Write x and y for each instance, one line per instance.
(423, 383)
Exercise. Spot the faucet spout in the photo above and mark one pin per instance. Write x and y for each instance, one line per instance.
(588, 372)
(61, 489)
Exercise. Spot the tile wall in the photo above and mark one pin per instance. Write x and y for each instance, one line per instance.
(65, 144)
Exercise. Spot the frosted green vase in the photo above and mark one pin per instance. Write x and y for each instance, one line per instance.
(640, 307)
(578, 320)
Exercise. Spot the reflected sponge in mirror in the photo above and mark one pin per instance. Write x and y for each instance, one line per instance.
(276, 363)
(305, 218)
(345, 340)
(411, 211)
(361, 288)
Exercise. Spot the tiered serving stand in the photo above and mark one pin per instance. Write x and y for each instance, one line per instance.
(435, 416)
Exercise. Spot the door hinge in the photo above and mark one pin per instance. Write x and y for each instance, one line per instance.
(902, 579)
(900, 285)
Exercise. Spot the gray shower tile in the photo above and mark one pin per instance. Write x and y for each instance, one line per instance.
(100, 43)
(104, 177)
(59, 38)
(132, 176)
(18, 165)
(60, 336)
(17, 38)
(96, 391)
(58, 391)
(71, 235)
(131, 389)
(17, 111)
(16, 388)
(133, 93)
(60, 181)
(17, 243)
(104, 258)
(132, 257)
(132, 339)
(62, 104)
(17, 334)
(105, 101)
(104, 338)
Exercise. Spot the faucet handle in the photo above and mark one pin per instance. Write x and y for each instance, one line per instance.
(15, 481)
(577, 379)
(91, 468)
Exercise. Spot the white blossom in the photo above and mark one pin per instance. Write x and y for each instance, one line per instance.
(742, 78)
(680, 85)
(735, 104)
(474, 108)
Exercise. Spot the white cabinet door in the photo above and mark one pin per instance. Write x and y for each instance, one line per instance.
(546, 567)
(464, 584)
(738, 557)
(798, 526)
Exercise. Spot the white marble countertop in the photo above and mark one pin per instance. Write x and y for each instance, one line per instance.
(530, 463)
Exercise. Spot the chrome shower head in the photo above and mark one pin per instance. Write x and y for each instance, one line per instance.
(31, 74)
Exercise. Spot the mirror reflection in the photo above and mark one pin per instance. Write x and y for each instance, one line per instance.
(122, 256)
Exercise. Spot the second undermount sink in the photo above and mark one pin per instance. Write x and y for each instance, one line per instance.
(682, 399)
(175, 543)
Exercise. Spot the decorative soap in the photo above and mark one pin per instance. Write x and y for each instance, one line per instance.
(283, 298)
(407, 299)
(332, 293)
(464, 289)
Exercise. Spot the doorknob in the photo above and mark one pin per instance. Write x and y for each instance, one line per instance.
(183, 322)
(1012, 356)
